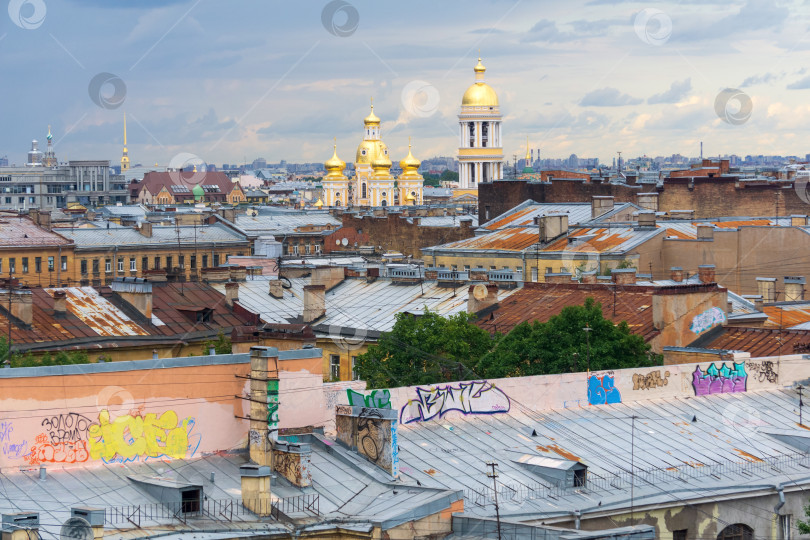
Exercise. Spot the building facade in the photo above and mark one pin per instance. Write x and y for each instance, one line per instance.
(480, 153)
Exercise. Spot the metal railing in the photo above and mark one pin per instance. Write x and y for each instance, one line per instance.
(214, 509)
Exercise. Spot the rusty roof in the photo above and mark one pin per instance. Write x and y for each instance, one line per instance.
(99, 318)
(761, 341)
(17, 232)
(787, 315)
(602, 239)
(541, 301)
(511, 239)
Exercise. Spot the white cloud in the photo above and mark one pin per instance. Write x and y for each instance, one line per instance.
(608, 97)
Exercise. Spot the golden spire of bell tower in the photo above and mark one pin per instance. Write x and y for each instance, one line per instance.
(528, 154)
(125, 156)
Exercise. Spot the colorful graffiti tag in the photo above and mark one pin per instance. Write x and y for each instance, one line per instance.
(706, 320)
(602, 390)
(724, 380)
(45, 451)
(129, 436)
(478, 397)
(379, 399)
(272, 407)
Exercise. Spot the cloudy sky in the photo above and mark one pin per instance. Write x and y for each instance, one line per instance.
(236, 80)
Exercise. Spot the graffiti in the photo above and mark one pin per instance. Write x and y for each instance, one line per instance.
(572, 403)
(602, 390)
(45, 451)
(255, 438)
(67, 427)
(478, 397)
(763, 371)
(368, 435)
(650, 381)
(294, 467)
(380, 399)
(15, 451)
(394, 450)
(707, 320)
(128, 437)
(720, 381)
(272, 405)
(6, 428)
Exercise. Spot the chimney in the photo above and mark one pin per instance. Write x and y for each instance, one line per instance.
(648, 201)
(314, 302)
(59, 304)
(623, 276)
(766, 288)
(356, 425)
(276, 290)
(20, 525)
(558, 277)
(646, 219)
(706, 273)
(146, 229)
(256, 488)
(231, 293)
(238, 273)
(264, 403)
(676, 274)
(293, 461)
(600, 205)
(552, 226)
(137, 292)
(328, 276)
(22, 303)
(481, 296)
(589, 277)
(794, 288)
(729, 307)
(705, 232)
(798, 221)
(756, 299)
(94, 516)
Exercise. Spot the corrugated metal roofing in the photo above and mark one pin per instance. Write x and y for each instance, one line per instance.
(288, 222)
(161, 236)
(509, 239)
(99, 314)
(524, 214)
(602, 240)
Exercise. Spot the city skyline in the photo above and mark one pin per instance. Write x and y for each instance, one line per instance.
(284, 81)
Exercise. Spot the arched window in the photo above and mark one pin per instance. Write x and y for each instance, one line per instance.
(472, 133)
(384, 203)
(738, 531)
(363, 191)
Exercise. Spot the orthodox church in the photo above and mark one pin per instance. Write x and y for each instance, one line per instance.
(372, 184)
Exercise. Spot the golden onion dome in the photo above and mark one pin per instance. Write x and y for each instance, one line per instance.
(368, 151)
(335, 164)
(479, 94)
(372, 119)
(410, 163)
(382, 163)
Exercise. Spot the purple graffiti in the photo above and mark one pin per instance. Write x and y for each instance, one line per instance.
(478, 397)
(720, 381)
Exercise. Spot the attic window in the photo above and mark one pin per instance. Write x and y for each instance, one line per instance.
(191, 501)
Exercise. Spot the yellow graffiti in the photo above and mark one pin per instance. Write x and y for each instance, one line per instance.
(147, 436)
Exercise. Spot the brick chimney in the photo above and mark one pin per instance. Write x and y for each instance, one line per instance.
(794, 288)
(146, 229)
(256, 488)
(59, 304)
(558, 277)
(676, 274)
(358, 426)
(276, 290)
(231, 293)
(623, 276)
(766, 288)
(22, 304)
(706, 273)
(589, 277)
(314, 302)
(600, 205)
(646, 219)
(648, 201)
(137, 292)
(481, 296)
(552, 226)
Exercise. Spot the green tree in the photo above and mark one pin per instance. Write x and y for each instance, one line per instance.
(424, 349)
(561, 345)
(449, 176)
(804, 526)
(221, 345)
(432, 180)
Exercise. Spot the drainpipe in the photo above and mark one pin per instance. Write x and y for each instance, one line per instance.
(780, 490)
(577, 515)
(59, 267)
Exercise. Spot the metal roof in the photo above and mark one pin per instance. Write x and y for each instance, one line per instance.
(285, 222)
(161, 236)
(524, 214)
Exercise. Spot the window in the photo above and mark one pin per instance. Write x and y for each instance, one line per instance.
(738, 531)
(157, 263)
(363, 193)
(295, 250)
(8, 200)
(190, 500)
(181, 261)
(38, 265)
(307, 248)
(493, 268)
(1, 266)
(534, 274)
(680, 534)
(132, 266)
(334, 366)
(169, 264)
(205, 261)
(193, 262)
(549, 270)
(83, 266)
(50, 264)
(466, 267)
(108, 265)
(120, 264)
(95, 266)
(354, 369)
(25, 265)
(145, 263)
(317, 248)
(63, 262)
(216, 259)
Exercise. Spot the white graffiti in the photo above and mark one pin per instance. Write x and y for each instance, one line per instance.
(478, 397)
(707, 320)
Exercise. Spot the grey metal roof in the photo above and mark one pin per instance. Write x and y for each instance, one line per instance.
(161, 236)
(446, 221)
(284, 222)
(524, 214)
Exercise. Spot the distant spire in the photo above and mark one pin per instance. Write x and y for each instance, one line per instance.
(125, 153)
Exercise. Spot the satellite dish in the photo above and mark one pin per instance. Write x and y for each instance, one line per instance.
(76, 528)
(252, 212)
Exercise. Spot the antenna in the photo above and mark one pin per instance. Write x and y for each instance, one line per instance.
(494, 476)
(76, 528)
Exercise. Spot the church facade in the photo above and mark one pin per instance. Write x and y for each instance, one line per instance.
(480, 152)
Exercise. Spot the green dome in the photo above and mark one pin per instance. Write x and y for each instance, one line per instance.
(198, 192)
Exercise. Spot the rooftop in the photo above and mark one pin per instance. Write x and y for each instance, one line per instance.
(19, 232)
(161, 236)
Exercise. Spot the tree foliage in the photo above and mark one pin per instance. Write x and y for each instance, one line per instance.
(561, 345)
(428, 348)
(221, 345)
(59, 358)
(424, 349)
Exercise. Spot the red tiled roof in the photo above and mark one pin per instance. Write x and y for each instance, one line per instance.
(762, 341)
(155, 181)
(541, 301)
